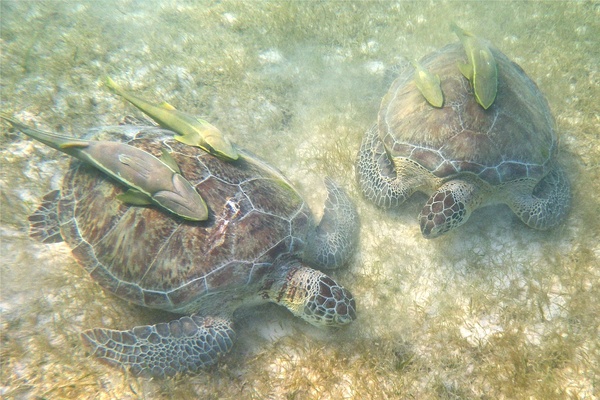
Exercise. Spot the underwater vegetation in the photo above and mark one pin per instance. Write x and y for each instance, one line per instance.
(493, 310)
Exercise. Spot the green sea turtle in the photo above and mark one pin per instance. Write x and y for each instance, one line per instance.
(150, 180)
(465, 155)
(255, 247)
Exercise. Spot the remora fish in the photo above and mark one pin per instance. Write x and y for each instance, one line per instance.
(429, 85)
(150, 180)
(190, 130)
(481, 69)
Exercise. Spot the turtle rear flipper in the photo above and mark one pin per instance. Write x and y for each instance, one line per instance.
(549, 203)
(43, 223)
(184, 345)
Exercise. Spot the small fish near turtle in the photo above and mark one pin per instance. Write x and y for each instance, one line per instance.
(259, 244)
(188, 128)
(150, 180)
(493, 140)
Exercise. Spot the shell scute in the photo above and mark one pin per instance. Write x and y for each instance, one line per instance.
(83, 252)
(184, 256)
(130, 291)
(86, 196)
(510, 171)
(402, 148)
(462, 147)
(427, 158)
(131, 257)
(490, 175)
(234, 274)
(189, 292)
(103, 277)
(445, 169)
(156, 299)
(262, 191)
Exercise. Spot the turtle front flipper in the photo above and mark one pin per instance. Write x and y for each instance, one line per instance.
(549, 203)
(43, 223)
(184, 345)
(334, 240)
(449, 207)
(377, 175)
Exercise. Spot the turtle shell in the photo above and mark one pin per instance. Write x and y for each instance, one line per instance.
(155, 259)
(513, 139)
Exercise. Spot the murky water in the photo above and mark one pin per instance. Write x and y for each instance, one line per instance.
(495, 309)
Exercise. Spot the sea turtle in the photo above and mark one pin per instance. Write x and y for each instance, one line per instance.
(466, 155)
(255, 247)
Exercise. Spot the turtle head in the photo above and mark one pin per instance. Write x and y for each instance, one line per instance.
(449, 207)
(312, 296)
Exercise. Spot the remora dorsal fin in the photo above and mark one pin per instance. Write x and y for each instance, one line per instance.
(134, 197)
(168, 159)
